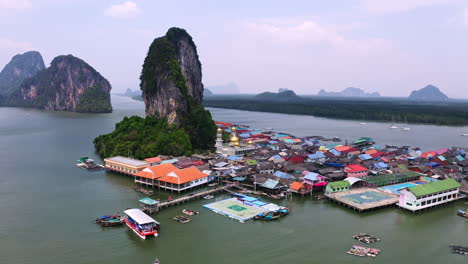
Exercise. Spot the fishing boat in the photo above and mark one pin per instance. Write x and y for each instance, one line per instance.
(366, 238)
(267, 216)
(156, 261)
(363, 123)
(182, 219)
(463, 213)
(140, 223)
(88, 164)
(464, 135)
(189, 212)
(143, 190)
(459, 250)
(110, 220)
(209, 196)
(213, 184)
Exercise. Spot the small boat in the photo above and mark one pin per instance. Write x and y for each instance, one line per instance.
(209, 196)
(189, 212)
(182, 219)
(463, 213)
(156, 261)
(110, 220)
(366, 238)
(464, 135)
(88, 164)
(143, 190)
(406, 129)
(363, 123)
(459, 250)
(140, 223)
(363, 251)
(267, 216)
(393, 127)
(320, 197)
(213, 184)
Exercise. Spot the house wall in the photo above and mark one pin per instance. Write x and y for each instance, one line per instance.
(357, 174)
(124, 168)
(410, 202)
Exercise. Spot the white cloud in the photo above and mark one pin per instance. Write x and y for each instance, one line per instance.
(309, 32)
(6, 5)
(379, 7)
(128, 9)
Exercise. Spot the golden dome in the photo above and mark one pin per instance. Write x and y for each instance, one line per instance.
(250, 142)
(236, 144)
(219, 130)
(233, 129)
(234, 139)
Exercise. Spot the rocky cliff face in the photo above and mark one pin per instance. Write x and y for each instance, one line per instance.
(21, 67)
(428, 93)
(69, 84)
(171, 79)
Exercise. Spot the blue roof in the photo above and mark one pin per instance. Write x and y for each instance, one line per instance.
(270, 184)
(316, 155)
(364, 157)
(462, 151)
(148, 201)
(276, 157)
(259, 203)
(311, 176)
(334, 164)
(442, 158)
(288, 140)
(281, 135)
(283, 175)
(460, 158)
(234, 157)
(335, 152)
(432, 164)
(169, 161)
(381, 165)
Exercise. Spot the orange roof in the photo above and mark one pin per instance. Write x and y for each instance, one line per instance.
(296, 185)
(157, 171)
(153, 160)
(371, 151)
(181, 176)
(342, 148)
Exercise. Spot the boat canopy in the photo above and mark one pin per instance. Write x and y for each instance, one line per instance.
(148, 201)
(140, 217)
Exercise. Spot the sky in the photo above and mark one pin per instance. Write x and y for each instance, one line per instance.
(389, 46)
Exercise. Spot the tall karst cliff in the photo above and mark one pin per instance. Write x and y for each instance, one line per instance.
(21, 67)
(171, 76)
(69, 84)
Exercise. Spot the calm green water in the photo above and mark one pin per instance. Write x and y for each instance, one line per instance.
(47, 205)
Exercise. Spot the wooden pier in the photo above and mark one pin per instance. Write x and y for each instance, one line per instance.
(192, 196)
(341, 198)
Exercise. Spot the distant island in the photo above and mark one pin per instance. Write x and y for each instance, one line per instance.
(176, 123)
(229, 88)
(283, 95)
(428, 93)
(68, 84)
(207, 92)
(349, 92)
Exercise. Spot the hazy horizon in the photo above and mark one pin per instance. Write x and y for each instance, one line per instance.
(390, 47)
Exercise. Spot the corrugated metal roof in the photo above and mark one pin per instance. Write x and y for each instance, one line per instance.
(270, 184)
(434, 187)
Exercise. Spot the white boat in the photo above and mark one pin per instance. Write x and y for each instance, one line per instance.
(209, 196)
(140, 223)
(464, 135)
(406, 129)
(393, 127)
(363, 123)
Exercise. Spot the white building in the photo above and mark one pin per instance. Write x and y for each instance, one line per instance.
(428, 195)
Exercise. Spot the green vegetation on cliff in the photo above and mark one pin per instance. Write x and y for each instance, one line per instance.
(142, 138)
(94, 100)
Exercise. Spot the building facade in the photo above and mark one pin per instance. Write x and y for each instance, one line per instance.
(125, 165)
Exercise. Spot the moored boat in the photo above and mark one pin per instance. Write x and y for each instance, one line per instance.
(459, 250)
(142, 224)
(156, 261)
(189, 212)
(463, 212)
(209, 196)
(110, 220)
(182, 219)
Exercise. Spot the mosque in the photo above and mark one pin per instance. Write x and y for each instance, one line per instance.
(234, 147)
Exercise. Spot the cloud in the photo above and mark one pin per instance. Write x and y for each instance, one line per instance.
(8, 5)
(382, 7)
(128, 9)
(10, 44)
(310, 32)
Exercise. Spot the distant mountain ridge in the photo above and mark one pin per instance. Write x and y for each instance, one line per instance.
(349, 92)
(428, 93)
(21, 67)
(283, 95)
(230, 88)
(207, 92)
(131, 93)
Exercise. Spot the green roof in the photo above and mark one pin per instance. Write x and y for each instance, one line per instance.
(339, 184)
(434, 187)
(251, 162)
(385, 179)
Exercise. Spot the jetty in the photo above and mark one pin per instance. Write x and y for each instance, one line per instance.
(192, 196)
(363, 199)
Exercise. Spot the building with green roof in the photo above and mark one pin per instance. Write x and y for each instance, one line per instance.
(337, 186)
(427, 195)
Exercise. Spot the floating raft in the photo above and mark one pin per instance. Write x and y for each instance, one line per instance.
(459, 250)
(182, 219)
(366, 238)
(363, 251)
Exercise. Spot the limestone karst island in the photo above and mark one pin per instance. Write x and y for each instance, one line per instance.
(190, 132)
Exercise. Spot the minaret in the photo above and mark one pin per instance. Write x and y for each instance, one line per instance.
(219, 140)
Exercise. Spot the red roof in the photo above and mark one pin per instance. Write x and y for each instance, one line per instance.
(153, 160)
(356, 168)
(157, 171)
(224, 124)
(183, 176)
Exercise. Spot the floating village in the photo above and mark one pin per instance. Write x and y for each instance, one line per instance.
(258, 167)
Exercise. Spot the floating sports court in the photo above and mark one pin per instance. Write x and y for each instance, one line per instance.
(363, 199)
(241, 208)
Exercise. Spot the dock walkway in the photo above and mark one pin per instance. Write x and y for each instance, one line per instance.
(191, 197)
